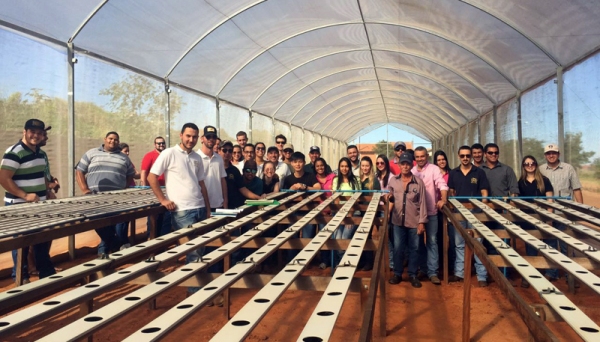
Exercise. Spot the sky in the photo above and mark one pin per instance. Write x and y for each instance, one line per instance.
(394, 135)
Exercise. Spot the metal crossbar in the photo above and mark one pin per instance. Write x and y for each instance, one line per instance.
(91, 322)
(322, 321)
(587, 329)
(578, 245)
(172, 318)
(594, 234)
(240, 326)
(550, 253)
(585, 207)
(568, 210)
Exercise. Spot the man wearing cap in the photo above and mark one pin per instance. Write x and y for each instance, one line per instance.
(565, 182)
(467, 180)
(314, 153)
(214, 170)
(409, 216)
(163, 221)
(104, 169)
(22, 176)
(288, 150)
(436, 195)
(563, 176)
(354, 157)
(281, 169)
(399, 148)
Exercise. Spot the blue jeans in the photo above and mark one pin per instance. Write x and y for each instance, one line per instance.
(405, 239)
(163, 224)
(345, 231)
(122, 233)
(108, 239)
(428, 250)
(459, 264)
(41, 254)
(184, 218)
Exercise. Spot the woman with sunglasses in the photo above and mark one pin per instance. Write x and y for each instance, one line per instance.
(259, 156)
(269, 177)
(533, 183)
(237, 158)
(383, 176)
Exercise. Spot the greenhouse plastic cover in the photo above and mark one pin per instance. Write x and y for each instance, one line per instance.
(336, 67)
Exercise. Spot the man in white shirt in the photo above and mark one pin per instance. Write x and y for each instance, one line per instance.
(187, 197)
(214, 170)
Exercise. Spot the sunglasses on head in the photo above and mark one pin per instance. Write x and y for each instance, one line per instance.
(227, 150)
(462, 156)
(250, 170)
(493, 152)
(530, 164)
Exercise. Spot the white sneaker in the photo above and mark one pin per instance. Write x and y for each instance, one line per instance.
(125, 246)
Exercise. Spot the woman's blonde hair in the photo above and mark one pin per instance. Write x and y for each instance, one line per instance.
(537, 174)
(371, 175)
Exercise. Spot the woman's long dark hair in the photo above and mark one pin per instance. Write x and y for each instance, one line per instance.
(324, 163)
(441, 153)
(386, 165)
(351, 177)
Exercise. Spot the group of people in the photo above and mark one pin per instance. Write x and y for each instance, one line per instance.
(223, 174)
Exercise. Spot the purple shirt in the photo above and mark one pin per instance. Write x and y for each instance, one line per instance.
(434, 181)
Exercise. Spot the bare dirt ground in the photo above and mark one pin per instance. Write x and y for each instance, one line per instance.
(431, 313)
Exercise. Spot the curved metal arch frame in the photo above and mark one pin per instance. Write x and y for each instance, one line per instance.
(399, 126)
(438, 63)
(441, 117)
(345, 104)
(386, 80)
(389, 91)
(402, 126)
(201, 38)
(422, 111)
(431, 130)
(86, 21)
(343, 126)
(364, 68)
(341, 96)
(438, 35)
(506, 22)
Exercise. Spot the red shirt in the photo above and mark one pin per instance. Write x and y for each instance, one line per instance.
(147, 163)
(394, 168)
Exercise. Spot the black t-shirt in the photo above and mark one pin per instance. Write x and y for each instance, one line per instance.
(269, 188)
(310, 168)
(470, 184)
(234, 183)
(307, 178)
(531, 189)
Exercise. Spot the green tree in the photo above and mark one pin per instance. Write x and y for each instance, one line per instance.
(574, 153)
(596, 167)
(534, 147)
(382, 148)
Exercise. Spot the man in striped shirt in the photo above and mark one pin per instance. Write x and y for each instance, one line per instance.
(22, 176)
(104, 169)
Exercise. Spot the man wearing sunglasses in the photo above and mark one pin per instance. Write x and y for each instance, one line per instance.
(251, 182)
(399, 148)
(280, 141)
(467, 180)
(502, 178)
(163, 221)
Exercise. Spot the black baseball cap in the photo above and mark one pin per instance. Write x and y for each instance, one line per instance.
(210, 130)
(35, 124)
(314, 149)
(406, 157)
(272, 148)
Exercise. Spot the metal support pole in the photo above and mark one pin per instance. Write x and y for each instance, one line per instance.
(71, 135)
(559, 105)
(168, 113)
(495, 124)
(250, 135)
(466, 323)
(519, 154)
(218, 122)
(479, 129)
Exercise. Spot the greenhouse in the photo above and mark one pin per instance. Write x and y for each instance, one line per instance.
(521, 74)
